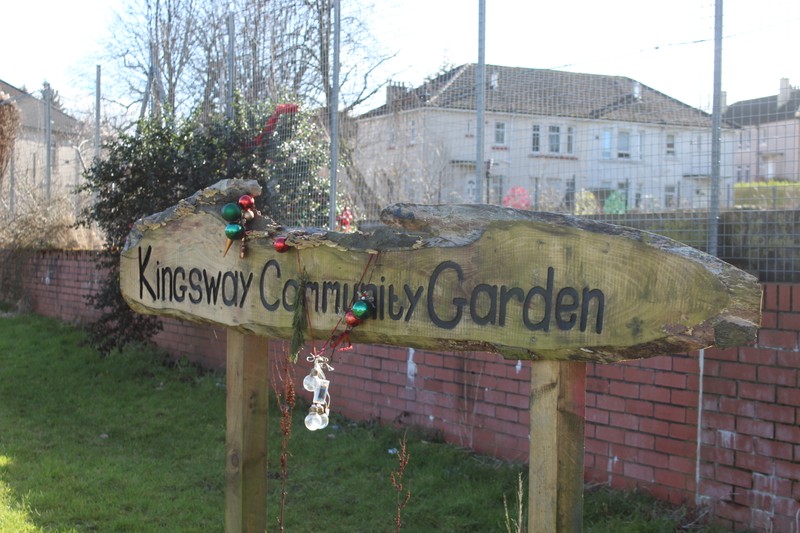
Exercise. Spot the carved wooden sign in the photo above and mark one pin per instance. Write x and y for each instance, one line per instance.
(458, 277)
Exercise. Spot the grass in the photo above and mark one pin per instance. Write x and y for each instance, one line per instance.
(130, 443)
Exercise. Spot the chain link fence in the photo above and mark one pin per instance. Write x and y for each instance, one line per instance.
(596, 142)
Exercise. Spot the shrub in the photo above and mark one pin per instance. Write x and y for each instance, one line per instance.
(149, 170)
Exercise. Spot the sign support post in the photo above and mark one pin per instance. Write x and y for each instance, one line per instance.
(557, 290)
(555, 486)
(247, 415)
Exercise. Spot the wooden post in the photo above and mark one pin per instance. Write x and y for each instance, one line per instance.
(555, 481)
(246, 436)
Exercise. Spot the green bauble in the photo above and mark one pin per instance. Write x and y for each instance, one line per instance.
(231, 212)
(234, 231)
(361, 309)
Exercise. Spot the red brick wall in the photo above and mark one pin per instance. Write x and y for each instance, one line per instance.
(750, 444)
(641, 425)
(641, 416)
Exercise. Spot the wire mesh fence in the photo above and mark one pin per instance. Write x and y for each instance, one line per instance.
(597, 142)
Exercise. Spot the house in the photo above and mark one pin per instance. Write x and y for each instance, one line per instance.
(29, 174)
(768, 141)
(555, 137)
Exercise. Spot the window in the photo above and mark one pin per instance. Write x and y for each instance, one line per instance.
(698, 145)
(639, 145)
(570, 140)
(535, 139)
(470, 131)
(500, 133)
(624, 144)
(670, 144)
(470, 192)
(554, 139)
(495, 190)
(412, 132)
(670, 197)
(605, 152)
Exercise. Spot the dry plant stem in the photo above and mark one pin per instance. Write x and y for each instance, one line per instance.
(286, 401)
(518, 525)
(397, 482)
(9, 122)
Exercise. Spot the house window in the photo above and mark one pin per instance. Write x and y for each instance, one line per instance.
(412, 132)
(606, 138)
(500, 133)
(470, 192)
(495, 189)
(670, 144)
(470, 131)
(536, 141)
(624, 144)
(670, 197)
(639, 144)
(570, 140)
(554, 139)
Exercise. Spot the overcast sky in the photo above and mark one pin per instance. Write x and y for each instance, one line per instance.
(666, 45)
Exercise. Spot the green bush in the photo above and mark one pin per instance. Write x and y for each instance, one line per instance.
(161, 162)
(767, 195)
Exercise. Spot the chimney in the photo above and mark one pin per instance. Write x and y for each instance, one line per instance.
(785, 93)
(636, 90)
(394, 91)
(495, 81)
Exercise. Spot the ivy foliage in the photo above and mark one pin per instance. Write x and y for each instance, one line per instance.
(161, 162)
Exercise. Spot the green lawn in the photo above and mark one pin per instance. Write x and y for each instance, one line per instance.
(129, 443)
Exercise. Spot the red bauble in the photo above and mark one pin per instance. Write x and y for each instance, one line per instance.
(280, 245)
(351, 320)
(246, 202)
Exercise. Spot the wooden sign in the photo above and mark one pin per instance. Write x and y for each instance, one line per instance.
(466, 277)
(456, 278)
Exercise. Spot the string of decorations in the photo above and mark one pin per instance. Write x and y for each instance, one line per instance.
(237, 215)
(360, 309)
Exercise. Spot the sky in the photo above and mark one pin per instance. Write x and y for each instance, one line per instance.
(665, 45)
(53, 41)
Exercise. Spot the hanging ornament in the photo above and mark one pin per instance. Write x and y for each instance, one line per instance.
(233, 232)
(231, 212)
(344, 220)
(280, 245)
(246, 202)
(361, 308)
(238, 214)
(351, 319)
(315, 382)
